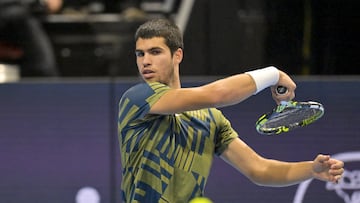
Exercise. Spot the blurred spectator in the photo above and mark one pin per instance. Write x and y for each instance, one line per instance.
(83, 7)
(131, 10)
(22, 39)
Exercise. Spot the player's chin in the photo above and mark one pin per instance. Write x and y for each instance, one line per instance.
(150, 79)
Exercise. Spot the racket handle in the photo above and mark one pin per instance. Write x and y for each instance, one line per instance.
(281, 90)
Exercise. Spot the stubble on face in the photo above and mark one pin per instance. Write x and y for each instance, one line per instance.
(154, 60)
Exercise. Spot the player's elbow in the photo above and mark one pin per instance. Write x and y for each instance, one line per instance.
(262, 174)
(258, 177)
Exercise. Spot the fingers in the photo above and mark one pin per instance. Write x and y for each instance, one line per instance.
(289, 95)
(336, 169)
(332, 169)
(336, 164)
(286, 81)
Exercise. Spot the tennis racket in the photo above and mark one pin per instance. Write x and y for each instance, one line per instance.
(289, 115)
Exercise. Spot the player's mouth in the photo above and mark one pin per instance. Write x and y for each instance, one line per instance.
(147, 74)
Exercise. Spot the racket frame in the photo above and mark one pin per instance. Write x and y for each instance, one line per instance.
(286, 128)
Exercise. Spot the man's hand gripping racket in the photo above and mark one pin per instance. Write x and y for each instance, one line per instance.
(289, 115)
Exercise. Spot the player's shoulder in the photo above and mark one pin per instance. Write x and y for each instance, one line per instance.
(137, 87)
(142, 87)
(143, 91)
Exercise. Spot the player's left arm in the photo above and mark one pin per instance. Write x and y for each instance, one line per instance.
(269, 172)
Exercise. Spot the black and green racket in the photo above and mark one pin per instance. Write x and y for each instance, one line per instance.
(289, 115)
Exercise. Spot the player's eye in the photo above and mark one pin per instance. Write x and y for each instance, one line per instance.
(139, 53)
(155, 51)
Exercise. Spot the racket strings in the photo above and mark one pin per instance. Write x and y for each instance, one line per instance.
(290, 117)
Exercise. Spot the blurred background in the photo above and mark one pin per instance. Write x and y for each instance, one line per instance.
(64, 65)
(95, 37)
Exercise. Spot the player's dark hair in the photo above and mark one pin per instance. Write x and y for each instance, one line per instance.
(161, 28)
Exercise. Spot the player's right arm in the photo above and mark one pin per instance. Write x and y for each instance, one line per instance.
(223, 92)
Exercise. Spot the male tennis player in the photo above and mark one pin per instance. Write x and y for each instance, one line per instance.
(169, 135)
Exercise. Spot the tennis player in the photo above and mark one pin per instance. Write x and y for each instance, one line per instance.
(169, 135)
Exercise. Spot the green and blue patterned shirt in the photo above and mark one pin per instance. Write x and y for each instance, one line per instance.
(167, 158)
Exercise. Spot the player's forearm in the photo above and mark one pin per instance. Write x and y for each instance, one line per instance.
(231, 90)
(285, 174)
(235, 89)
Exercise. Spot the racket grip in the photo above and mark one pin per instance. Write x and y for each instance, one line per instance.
(281, 90)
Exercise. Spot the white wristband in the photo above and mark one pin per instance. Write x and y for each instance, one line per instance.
(264, 77)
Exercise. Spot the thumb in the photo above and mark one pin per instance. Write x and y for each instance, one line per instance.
(322, 158)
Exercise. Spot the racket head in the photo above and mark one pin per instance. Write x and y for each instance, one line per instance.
(288, 116)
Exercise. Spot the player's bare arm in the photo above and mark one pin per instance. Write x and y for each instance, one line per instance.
(261, 170)
(224, 92)
(220, 93)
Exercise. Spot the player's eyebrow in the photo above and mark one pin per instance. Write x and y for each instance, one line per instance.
(139, 51)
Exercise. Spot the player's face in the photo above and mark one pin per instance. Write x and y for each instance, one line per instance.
(154, 60)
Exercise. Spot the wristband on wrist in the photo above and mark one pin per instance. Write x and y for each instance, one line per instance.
(264, 77)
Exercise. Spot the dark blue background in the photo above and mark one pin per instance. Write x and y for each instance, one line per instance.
(57, 137)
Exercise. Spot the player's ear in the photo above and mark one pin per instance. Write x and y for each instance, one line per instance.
(178, 55)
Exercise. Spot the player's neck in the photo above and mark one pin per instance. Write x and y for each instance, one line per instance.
(175, 81)
(175, 84)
